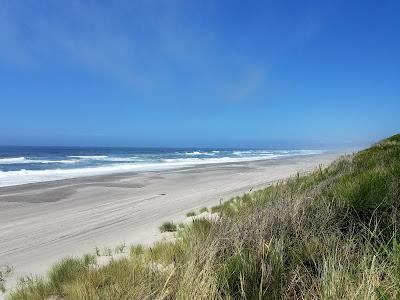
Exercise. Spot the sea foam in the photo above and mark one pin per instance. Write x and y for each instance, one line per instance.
(104, 164)
(23, 160)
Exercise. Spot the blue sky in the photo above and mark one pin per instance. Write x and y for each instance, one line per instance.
(199, 73)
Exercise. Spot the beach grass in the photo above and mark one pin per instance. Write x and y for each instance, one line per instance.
(168, 227)
(190, 214)
(331, 234)
(203, 209)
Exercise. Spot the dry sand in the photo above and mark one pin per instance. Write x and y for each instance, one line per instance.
(41, 223)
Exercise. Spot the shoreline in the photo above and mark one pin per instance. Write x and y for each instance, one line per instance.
(43, 222)
(27, 176)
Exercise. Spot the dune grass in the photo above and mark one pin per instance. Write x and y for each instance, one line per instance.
(203, 209)
(168, 227)
(332, 234)
(190, 214)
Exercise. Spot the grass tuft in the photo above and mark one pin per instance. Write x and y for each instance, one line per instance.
(168, 227)
(203, 209)
(190, 214)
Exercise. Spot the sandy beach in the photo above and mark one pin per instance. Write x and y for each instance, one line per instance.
(43, 222)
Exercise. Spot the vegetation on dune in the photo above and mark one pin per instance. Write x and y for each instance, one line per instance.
(190, 214)
(203, 209)
(332, 234)
(168, 227)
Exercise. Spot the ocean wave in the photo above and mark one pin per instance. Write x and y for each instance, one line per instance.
(9, 178)
(12, 160)
(193, 153)
(89, 156)
(23, 160)
(123, 159)
(107, 158)
(252, 152)
(62, 161)
(23, 176)
(212, 153)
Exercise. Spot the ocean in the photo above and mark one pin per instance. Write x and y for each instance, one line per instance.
(22, 165)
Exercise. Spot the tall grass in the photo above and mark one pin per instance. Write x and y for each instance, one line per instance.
(332, 234)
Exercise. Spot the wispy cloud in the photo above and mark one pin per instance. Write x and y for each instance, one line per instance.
(245, 86)
(80, 32)
(141, 43)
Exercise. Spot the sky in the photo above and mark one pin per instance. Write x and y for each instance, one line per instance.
(180, 73)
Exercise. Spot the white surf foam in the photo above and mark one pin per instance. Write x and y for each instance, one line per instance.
(11, 178)
(212, 153)
(23, 160)
(89, 156)
(12, 160)
(106, 158)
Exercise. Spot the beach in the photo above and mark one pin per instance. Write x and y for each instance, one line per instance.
(44, 222)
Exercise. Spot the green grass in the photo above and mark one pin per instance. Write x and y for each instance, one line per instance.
(203, 209)
(136, 250)
(168, 227)
(332, 234)
(190, 214)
